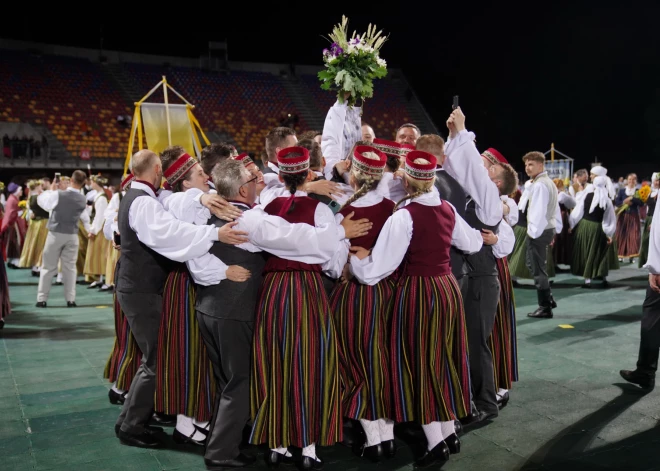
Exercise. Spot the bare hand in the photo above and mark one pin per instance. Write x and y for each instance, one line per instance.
(230, 236)
(506, 208)
(354, 229)
(489, 237)
(456, 122)
(220, 208)
(360, 252)
(346, 275)
(628, 200)
(399, 174)
(324, 188)
(54, 186)
(552, 243)
(91, 236)
(343, 166)
(654, 282)
(237, 273)
(609, 241)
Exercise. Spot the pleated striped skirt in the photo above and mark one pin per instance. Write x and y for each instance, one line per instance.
(35, 240)
(184, 379)
(503, 342)
(126, 356)
(294, 389)
(428, 351)
(360, 318)
(628, 234)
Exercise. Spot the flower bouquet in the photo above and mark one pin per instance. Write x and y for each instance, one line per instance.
(351, 65)
(642, 194)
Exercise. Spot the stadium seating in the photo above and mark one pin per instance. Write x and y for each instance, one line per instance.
(73, 97)
(385, 112)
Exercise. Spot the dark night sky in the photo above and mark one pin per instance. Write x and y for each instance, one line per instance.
(585, 78)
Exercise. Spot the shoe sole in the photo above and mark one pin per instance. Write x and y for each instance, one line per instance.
(124, 442)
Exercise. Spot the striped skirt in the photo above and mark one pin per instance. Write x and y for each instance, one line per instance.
(112, 258)
(97, 255)
(518, 257)
(126, 356)
(5, 305)
(428, 351)
(628, 234)
(184, 378)
(591, 253)
(82, 249)
(294, 390)
(646, 234)
(503, 341)
(359, 313)
(35, 240)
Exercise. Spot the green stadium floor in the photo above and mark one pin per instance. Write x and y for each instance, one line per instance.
(570, 410)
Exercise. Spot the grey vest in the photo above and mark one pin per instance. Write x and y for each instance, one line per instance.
(551, 209)
(230, 299)
(482, 263)
(140, 269)
(65, 216)
(453, 192)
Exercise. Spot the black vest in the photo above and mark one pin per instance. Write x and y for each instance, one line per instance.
(651, 202)
(39, 212)
(322, 198)
(598, 213)
(522, 217)
(450, 190)
(140, 269)
(230, 299)
(482, 263)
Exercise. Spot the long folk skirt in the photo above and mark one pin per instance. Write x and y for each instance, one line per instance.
(82, 249)
(184, 378)
(294, 387)
(628, 234)
(35, 240)
(97, 256)
(428, 351)
(5, 305)
(362, 332)
(518, 257)
(112, 258)
(646, 234)
(126, 356)
(592, 256)
(503, 341)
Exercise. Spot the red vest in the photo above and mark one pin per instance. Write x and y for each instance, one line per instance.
(377, 215)
(428, 253)
(303, 212)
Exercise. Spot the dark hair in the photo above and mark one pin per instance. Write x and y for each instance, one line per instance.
(78, 177)
(167, 158)
(315, 154)
(393, 162)
(409, 125)
(509, 179)
(310, 135)
(213, 154)
(534, 156)
(274, 139)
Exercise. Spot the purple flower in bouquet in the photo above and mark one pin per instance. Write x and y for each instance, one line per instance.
(336, 49)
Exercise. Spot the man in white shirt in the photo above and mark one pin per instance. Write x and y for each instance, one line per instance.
(541, 230)
(649, 345)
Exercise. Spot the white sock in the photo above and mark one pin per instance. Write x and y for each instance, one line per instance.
(117, 390)
(386, 427)
(433, 432)
(35, 268)
(59, 277)
(447, 428)
(502, 392)
(310, 451)
(282, 451)
(587, 281)
(185, 426)
(14, 261)
(372, 430)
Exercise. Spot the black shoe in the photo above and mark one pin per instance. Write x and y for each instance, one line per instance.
(12, 266)
(541, 313)
(147, 429)
(116, 398)
(142, 440)
(389, 449)
(182, 439)
(106, 288)
(58, 283)
(373, 453)
(41, 304)
(71, 304)
(606, 284)
(241, 461)
(439, 453)
(35, 273)
(2, 323)
(94, 284)
(453, 443)
(458, 427)
(307, 463)
(503, 400)
(643, 380)
(478, 420)
(273, 459)
(353, 433)
(163, 419)
(553, 303)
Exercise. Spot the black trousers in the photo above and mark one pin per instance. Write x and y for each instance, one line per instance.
(143, 312)
(537, 258)
(481, 297)
(229, 346)
(649, 345)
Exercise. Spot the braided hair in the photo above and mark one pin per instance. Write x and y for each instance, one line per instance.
(292, 182)
(367, 182)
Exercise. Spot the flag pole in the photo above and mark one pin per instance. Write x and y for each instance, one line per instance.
(167, 112)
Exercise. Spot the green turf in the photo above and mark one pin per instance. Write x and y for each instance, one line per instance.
(570, 410)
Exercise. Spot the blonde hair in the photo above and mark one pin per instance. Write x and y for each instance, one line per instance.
(559, 183)
(420, 186)
(367, 182)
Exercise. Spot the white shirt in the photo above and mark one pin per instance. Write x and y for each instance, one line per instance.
(49, 199)
(274, 168)
(100, 205)
(566, 199)
(537, 221)
(609, 217)
(334, 144)
(506, 239)
(109, 224)
(653, 261)
(395, 237)
(464, 163)
(163, 233)
(514, 213)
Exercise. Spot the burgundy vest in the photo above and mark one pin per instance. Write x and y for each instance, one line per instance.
(428, 252)
(303, 212)
(377, 214)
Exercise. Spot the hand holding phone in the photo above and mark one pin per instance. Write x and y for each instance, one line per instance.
(57, 177)
(455, 103)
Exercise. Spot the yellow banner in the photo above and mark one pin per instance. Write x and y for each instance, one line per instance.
(155, 127)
